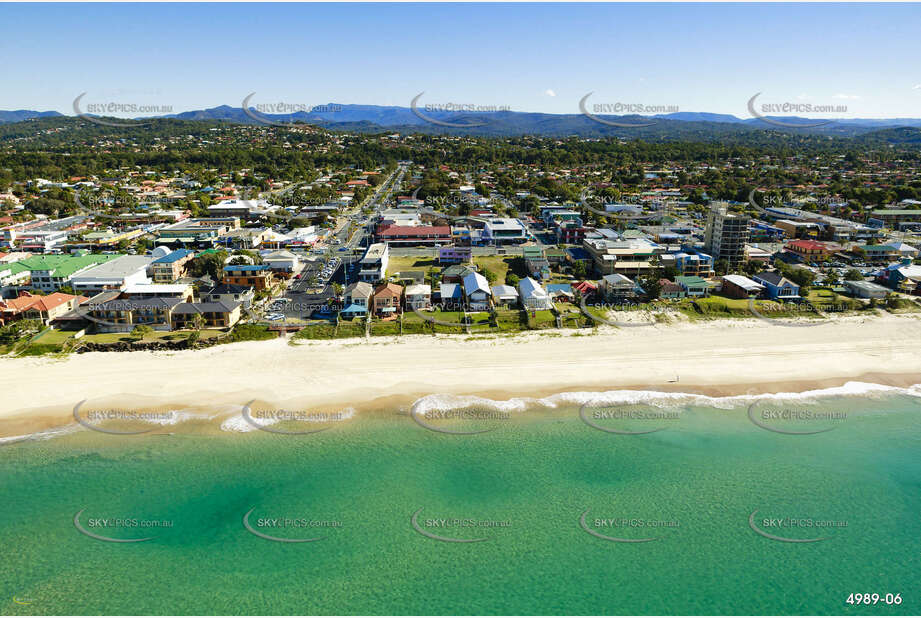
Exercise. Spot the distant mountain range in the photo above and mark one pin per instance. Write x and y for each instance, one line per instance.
(680, 125)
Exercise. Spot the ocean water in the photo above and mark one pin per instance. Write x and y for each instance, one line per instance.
(690, 476)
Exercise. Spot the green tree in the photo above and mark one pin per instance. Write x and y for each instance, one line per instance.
(141, 331)
(853, 274)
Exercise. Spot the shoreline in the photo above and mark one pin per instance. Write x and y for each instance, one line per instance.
(718, 359)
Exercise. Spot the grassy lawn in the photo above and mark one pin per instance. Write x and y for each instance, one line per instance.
(541, 319)
(572, 315)
(717, 306)
(500, 265)
(826, 300)
(401, 264)
(54, 341)
(511, 320)
(414, 325)
(385, 329)
(346, 329)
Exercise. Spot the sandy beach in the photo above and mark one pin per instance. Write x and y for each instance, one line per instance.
(716, 358)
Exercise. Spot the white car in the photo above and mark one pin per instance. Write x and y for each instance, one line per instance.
(274, 317)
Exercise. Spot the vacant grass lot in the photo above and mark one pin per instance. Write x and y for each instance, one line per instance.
(401, 264)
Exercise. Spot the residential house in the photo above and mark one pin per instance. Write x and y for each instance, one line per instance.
(903, 277)
(418, 296)
(585, 289)
(533, 296)
(455, 255)
(387, 300)
(694, 286)
(737, 286)
(538, 268)
(357, 300)
(617, 287)
(560, 292)
(456, 273)
(43, 308)
(669, 289)
(229, 293)
(504, 295)
(777, 286)
(476, 291)
(451, 295)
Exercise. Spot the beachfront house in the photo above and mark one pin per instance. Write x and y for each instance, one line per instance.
(560, 292)
(33, 307)
(419, 296)
(451, 295)
(476, 291)
(737, 286)
(694, 286)
(777, 286)
(357, 299)
(504, 296)
(533, 296)
(617, 287)
(670, 290)
(387, 300)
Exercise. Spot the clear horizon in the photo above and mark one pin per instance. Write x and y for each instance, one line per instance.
(527, 57)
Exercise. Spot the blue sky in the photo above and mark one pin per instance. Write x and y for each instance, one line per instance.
(529, 57)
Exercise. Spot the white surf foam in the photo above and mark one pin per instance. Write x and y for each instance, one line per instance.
(655, 398)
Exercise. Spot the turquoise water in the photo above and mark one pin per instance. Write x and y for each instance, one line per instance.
(701, 477)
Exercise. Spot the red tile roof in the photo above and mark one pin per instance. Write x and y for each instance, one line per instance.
(808, 245)
(413, 231)
(41, 303)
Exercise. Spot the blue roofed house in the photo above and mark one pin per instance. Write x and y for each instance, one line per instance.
(777, 286)
(452, 296)
(477, 291)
